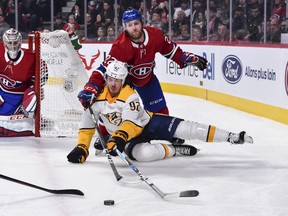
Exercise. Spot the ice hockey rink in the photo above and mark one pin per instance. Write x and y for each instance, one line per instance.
(233, 180)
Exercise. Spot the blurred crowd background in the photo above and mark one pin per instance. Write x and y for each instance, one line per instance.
(230, 21)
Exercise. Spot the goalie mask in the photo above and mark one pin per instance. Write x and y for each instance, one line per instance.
(117, 70)
(12, 41)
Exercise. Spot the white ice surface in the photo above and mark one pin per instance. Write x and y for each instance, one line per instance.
(233, 180)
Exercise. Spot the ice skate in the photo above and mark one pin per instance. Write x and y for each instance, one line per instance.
(98, 146)
(186, 150)
(240, 138)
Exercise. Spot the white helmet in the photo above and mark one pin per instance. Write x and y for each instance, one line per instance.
(12, 41)
(117, 70)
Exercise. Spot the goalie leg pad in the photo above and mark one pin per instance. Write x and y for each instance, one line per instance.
(19, 127)
(10, 103)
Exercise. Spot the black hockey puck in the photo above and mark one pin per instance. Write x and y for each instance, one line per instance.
(108, 202)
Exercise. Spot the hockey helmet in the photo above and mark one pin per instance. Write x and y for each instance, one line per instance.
(12, 40)
(130, 15)
(118, 70)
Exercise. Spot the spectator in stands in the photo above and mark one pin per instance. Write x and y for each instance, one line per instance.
(222, 16)
(154, 6)
(239, 20)
(184, 33)
(176, 3)
(283, 27)
(110, 34)
(4, 26)
(78, 11)
(164, 5)
(223, 33)
(274, 34)
(184, 7)
(260, 36)
(157, 20)
(165, 12)
(181, 20)
(243, 5)
(196, 33)
(91, 31)
(214, 21)
(101, 32)
(108, 12)
(213, 37)
(197, 8)
(37, 14)
(146, 17)
(100, 22)
(253, 4)
(254, 21)
(59, 23)
(93, 11)
(71, 20)
(201, 21)
(279, 8)
(241, 36)
(24, 17)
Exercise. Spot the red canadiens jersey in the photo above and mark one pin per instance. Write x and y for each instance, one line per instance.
(141, 57)
(16, 77)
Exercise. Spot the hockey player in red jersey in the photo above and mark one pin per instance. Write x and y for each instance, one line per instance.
(17, 96)
(137, 47)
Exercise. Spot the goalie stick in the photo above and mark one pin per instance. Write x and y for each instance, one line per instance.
(187, 193)
(61, 191)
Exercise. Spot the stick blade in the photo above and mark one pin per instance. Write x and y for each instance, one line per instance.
(67, 191)
(188, 193)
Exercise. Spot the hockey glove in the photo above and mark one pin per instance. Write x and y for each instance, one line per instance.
(195, 60)
(88, 95)
(78, 154)
(29, 100)
(118, 141)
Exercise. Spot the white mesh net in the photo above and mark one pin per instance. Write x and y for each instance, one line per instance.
(60, 108)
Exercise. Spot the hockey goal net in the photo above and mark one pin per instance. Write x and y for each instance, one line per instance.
(59, 112)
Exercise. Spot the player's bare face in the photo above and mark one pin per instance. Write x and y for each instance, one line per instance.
(134, 30)
(114, 86)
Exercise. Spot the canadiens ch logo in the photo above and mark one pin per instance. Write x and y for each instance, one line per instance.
(8, 82)
(88, 66)
(142, 71)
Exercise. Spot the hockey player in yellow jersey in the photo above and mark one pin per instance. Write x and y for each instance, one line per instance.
(132, 128)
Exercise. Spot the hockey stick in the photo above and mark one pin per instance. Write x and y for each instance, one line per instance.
(116, 174)
(62, 191)
(187, 193)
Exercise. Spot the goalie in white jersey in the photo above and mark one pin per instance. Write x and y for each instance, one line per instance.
(132, 128)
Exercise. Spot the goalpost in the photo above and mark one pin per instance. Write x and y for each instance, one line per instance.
(58, 111)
